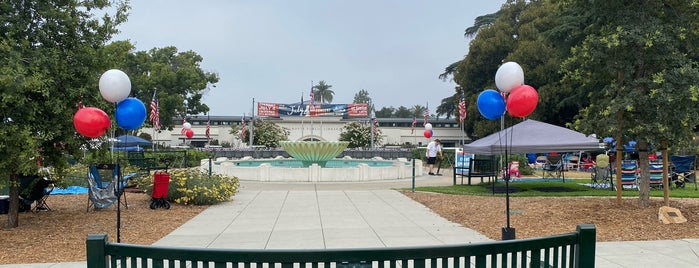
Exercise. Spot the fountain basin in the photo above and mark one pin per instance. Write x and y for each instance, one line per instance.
(314, 152)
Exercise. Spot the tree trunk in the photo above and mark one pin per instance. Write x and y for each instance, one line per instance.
(617, 158)
(644, 179)
(13, 213)
(666, 181)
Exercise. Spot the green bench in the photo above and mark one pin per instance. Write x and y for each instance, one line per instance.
(576, 249)
(139, 160)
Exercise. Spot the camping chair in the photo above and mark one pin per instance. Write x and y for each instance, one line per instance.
(656, 174)
(553, 169)
(602, 173)
(682, 170)
(540, 161)
(629, 174)
(573, 162)
(102, 186)
(35, 190)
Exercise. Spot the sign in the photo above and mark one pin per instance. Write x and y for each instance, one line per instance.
(462, 162)
(279, 109)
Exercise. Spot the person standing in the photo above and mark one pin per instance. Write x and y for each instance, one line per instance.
(433, 149)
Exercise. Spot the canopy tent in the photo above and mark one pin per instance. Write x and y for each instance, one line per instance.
(531, 136)
(131, 141)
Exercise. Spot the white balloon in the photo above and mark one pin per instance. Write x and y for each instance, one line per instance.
(510, 75)
(114, 85)
(187, 125)
(428, 126)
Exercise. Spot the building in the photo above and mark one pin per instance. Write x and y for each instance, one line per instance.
(395, 131)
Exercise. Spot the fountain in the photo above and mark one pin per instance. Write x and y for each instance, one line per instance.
(314, 161)
(310, 152)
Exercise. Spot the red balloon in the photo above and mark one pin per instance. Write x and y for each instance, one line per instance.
(91, 122)
(427, 133)
(522, 101)
(189, 133)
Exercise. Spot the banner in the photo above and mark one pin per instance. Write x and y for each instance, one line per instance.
(462, 162)
(316, 110)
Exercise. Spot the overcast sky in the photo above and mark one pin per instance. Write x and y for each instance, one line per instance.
(272, 50)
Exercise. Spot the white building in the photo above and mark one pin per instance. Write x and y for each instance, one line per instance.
(395, 131)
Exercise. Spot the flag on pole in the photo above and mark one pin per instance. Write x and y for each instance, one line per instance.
(412, 127)
(376, 125)
(183, 131)
(155, 112)
(244, 128)
(427, 114)
(462, 108)
(208, 128)
(313, 95)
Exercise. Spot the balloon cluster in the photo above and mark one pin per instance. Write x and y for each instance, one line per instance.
(428, 131)
(521, 99)
(115, 87)
(188, 132)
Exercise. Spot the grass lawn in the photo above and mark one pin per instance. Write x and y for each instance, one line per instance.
(573, 186)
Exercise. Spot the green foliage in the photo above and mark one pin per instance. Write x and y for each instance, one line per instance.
(266, 133)
(524, 168)
(323, 93)
(193, 187)
(359, 135)
(363, 97)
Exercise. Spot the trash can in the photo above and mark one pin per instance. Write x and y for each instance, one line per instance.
(4, 204)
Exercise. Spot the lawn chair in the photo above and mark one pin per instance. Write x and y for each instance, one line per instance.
(602, 173)
(682, 170)
(573, 162)
(629, 174)
(102, 186)
(540, 162)
(553, 169)
(35, 190)
(656, 174)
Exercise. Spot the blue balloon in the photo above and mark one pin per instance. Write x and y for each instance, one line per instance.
(491, 104)
(130, 113)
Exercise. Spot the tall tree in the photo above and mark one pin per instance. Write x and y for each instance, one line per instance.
(448, 106)
(363, 97)
(176, 77)
(641, 73)
(323, 93)
(403, 112)
(48, 64)
(385, 112)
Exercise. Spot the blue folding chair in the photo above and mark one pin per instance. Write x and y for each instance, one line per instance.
(104, 187)
(682, 170)
(656, 174)
(629, 174)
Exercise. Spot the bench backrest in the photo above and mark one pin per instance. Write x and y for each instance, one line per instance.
(575, 249)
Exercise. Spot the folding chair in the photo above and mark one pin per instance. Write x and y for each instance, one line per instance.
(104, 188)
(602, 173)
(629, 174)
(553, 169)
(35, 190)
(682, 170)
(656, 174)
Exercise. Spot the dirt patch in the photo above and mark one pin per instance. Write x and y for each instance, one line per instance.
(59, 235)
(542, 216)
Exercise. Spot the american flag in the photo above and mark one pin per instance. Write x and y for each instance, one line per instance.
(244, 128)
(208, 128)
(183, 131)
(376, 125)
(462, 108)
(412, 128)
(427, 114)
(155, 112)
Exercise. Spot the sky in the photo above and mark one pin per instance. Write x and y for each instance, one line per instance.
(273, 50)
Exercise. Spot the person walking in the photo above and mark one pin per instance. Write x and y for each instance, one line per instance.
(433, 149)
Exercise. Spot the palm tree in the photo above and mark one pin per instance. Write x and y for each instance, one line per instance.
(322, 92)
(481, 22)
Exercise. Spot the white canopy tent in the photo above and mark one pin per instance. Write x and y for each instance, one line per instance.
(531, 136)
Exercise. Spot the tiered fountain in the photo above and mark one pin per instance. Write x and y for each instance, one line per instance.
(314, 161)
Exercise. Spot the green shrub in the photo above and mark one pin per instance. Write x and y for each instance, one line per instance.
(193, 187)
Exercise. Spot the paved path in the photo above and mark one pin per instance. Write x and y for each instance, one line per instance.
(370, 214)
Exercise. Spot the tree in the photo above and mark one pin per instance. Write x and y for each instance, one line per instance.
(481, 22)
(641, 73)
(385, 112)
(403, 112)
(322, 92)
(448, 106)
(176, 77)
(363, 97)
(359, 135)
(48, 63)
(265, 132)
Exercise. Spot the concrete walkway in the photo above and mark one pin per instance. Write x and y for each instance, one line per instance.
(370, 214)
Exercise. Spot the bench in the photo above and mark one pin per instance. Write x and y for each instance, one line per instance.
(576, 249)
(483, 168)
(139, 160)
